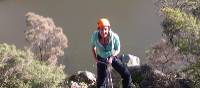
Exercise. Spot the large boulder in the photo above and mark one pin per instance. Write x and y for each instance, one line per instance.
(82, 79)
(146, 77)
(130, 60)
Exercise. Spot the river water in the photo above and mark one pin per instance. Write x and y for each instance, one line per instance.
(135, 21)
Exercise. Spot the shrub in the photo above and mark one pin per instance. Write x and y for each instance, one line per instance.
(18, 69)
(47, 41)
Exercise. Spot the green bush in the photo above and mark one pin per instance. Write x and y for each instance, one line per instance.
(19, 69)
(182, 30)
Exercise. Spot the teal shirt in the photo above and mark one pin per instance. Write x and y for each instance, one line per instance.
(108, 50)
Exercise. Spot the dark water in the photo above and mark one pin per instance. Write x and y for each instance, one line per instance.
(135, 21)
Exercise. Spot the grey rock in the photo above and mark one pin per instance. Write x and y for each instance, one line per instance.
(83, 77)
(146, 77)
(130, 60)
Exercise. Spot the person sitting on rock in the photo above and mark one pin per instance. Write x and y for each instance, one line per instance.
(105, 47)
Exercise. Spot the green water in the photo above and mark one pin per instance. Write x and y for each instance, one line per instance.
(135, 21)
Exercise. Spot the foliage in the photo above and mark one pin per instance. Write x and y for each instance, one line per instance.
(181, 40)
(193, 72)
(183, 5)
(47, 41)
(181, 43)
(19, 69)
(182, 30)
(181, 27)
(164, 57)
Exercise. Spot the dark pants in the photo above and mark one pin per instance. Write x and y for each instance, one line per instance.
(118, 66)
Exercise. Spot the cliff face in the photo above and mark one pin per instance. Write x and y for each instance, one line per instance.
(143, 77)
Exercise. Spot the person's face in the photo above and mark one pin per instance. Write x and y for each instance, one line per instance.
(104, 32)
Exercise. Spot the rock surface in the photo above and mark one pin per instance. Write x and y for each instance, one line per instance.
(143, 76)
(82, 79)
(130, 60)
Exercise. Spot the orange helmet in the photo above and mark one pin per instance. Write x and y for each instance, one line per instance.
(103, 22)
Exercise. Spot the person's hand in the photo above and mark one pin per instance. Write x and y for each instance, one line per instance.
(110, 59)
(95, 61)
